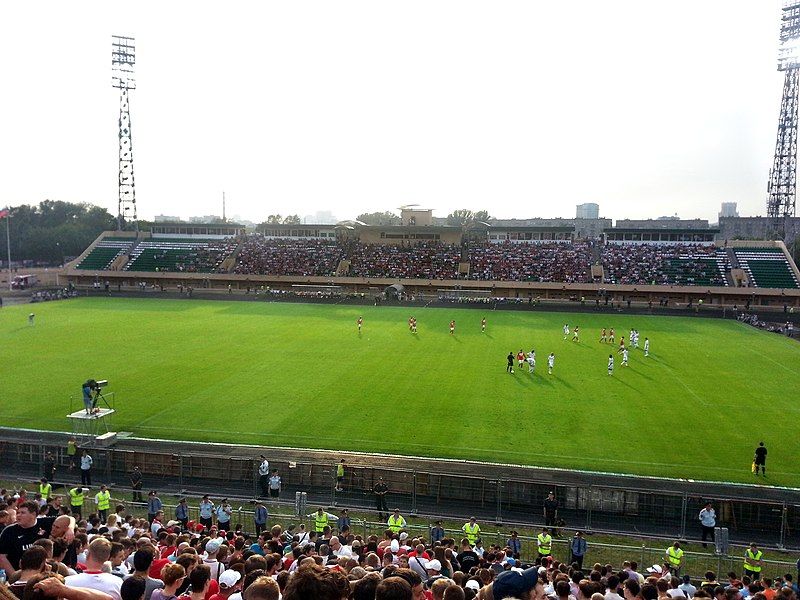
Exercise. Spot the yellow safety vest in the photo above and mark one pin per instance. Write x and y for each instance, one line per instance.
(472, 531)
(72, 449)
(750, 556)
(544, 543)
(45, 489)
(76, 498)
(396, 524)
(340, 471)
(320, 522)
(103, 500)
(675, 555)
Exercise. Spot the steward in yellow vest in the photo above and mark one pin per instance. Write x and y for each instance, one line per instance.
(544, 542)
(76, 496)
(396, 521)
(45, 489)
(753, 562)
(103, 501)
(321, 519)
(674, 556)
(472, 530)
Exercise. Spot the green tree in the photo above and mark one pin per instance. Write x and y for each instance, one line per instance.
(273, 219)
(291, 220)
(54, 230)
(464, 216)
(379, 218)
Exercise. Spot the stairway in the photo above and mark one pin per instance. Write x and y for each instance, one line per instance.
(732, 260)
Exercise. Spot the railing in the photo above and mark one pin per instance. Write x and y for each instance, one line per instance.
(657, 514)
(694, 563)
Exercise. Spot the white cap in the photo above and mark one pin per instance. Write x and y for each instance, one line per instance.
(433, 565)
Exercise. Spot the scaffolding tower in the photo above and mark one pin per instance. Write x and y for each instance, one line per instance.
(782, 184)
(123, 59)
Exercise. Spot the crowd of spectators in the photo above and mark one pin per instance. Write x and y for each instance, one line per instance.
(49, 295)
(425, 260)
(266, 256)
(657, 264)
(561, 262)
(207, 258)
(564, 262)
(48, 550)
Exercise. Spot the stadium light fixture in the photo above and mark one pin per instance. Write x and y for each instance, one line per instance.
(123, 60)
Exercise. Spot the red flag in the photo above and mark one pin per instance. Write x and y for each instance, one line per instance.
(4, 213)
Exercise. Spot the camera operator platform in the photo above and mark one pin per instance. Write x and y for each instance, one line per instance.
(94, 419)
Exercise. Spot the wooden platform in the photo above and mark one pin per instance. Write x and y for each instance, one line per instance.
(99, 413)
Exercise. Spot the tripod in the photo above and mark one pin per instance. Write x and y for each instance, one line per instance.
(98, 395)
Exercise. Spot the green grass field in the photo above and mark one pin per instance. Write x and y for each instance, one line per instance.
(301, 375)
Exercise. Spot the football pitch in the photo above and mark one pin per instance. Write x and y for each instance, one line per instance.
(301, 375)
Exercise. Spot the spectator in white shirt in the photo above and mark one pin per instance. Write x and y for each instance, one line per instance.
(93, 576)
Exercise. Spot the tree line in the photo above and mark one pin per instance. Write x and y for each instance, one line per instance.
(457, 218)
(53, 230)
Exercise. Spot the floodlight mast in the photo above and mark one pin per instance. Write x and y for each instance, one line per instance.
(782, 184)
(123, 59)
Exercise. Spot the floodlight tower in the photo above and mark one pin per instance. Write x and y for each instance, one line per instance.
(782, 185)
(123, 59)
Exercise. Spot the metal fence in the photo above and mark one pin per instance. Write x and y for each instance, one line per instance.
(658, 514)
(694, 563)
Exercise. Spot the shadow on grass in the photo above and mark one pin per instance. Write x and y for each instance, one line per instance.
(623, 382)
(640, 374)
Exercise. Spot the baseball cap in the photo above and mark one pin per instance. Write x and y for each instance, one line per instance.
(655, 569)
(473, 585)
(229, 578)
(212, 546)
(434, 565)
(514, 583)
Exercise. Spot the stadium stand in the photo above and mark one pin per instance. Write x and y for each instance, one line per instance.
(426, 260)
(657, 264)
(266, 256)
(674, 264)
(566, 262)
(180, 255)
(105, 252)
(767, 267)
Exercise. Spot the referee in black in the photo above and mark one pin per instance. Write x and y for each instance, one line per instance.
(760, 459)
(510, 365)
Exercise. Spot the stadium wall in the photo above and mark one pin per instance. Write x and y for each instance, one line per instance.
(590, 292)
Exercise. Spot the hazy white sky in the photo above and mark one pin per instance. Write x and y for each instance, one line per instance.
(524, 108)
